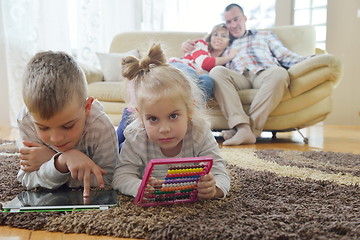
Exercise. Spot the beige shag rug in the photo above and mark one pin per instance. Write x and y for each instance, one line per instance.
(275, 194)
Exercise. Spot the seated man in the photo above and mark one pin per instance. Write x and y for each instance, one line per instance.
(261, 63)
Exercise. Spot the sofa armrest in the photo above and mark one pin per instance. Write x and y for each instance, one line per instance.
(320, 51)
(92, 74)
(313, 71)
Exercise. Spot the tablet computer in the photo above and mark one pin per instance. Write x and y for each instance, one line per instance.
(61, 200)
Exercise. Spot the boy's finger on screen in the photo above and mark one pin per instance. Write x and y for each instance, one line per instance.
(87, 181)
(86, 193)
(86, 200)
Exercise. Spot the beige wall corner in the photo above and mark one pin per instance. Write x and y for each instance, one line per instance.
(343, 34)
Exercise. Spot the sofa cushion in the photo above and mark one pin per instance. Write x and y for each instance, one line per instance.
(92, 74)
(111, 64)
(108, 91)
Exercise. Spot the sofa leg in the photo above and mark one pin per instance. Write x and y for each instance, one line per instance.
(305, 139)
(273, 134)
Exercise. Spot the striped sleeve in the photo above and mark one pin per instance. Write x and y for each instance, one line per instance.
(201, 55)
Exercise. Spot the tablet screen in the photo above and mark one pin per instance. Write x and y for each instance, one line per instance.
(61, 200)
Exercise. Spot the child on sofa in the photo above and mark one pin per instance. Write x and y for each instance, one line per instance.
(66, 138)
(170, 123)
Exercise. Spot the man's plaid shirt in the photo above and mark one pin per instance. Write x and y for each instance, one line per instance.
(259, 50)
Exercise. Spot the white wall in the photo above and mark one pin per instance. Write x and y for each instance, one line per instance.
(283, 10)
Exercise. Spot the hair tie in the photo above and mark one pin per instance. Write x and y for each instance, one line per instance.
(145, 64)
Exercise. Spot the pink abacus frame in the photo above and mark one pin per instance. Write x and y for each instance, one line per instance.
(172, 180)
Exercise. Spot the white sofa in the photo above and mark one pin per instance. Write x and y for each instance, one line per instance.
(307, 101)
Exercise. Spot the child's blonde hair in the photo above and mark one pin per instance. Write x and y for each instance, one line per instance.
(154, 79)
(51, 80)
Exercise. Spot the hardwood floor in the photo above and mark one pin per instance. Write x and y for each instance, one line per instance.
(320, 138)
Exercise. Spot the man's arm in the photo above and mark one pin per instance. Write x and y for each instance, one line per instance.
(285, 57)
(220, 61)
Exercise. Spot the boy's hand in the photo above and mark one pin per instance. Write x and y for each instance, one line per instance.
(207, 188)
(81, 167)
(33, 155)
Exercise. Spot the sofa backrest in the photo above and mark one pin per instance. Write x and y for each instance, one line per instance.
(300, 39)
(170, 41)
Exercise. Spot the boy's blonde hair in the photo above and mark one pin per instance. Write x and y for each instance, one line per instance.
(51, 80)
(154, 79)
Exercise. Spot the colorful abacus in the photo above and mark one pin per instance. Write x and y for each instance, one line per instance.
(172, 180)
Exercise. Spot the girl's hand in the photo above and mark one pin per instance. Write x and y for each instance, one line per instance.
(33, 155)
(155, 183)
(207, 188)
(80, 167)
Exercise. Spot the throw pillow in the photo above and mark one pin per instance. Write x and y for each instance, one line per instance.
(111, 64)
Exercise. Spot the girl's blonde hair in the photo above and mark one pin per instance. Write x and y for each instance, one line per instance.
(50, 81)
(154, 80)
